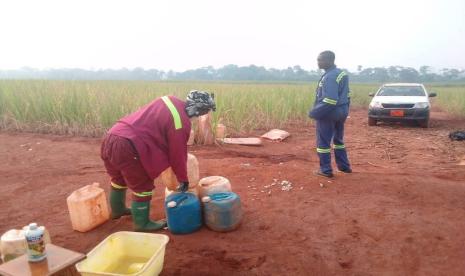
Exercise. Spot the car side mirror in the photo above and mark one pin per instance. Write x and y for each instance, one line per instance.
(371, 94)
(431, 95)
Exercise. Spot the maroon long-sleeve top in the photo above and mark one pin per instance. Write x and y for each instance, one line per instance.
(159, 141)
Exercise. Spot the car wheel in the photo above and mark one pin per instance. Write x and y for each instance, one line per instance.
(371, 122)
(424, 123)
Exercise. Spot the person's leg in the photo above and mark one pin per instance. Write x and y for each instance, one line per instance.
(325, 130)
(118, 184)
(117, 193)
(141, 185)
(340, 151)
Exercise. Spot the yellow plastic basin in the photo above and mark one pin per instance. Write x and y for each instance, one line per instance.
(126, 253)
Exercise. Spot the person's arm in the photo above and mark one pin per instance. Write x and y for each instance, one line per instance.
(330, 97)
(177, 148)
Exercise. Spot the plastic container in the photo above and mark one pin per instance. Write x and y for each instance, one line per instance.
(213, 184)
(13, 243)
(204, 134)
(220, 131)
(171, 182)
(88, 208)
(35, 243)
(222, 211)
(123, 253)
(191, 140)
(194, 191)
(183, 213)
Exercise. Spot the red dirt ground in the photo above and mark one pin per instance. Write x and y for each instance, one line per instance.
(400, 213)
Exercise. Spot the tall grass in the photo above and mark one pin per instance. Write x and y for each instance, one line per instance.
(90, 107)
(450, 98)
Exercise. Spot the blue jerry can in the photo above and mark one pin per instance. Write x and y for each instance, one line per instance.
(183, 213)
(222, 211)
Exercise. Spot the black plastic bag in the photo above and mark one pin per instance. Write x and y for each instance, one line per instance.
(457, 135)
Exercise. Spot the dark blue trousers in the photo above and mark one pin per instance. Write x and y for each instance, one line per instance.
(328, 131)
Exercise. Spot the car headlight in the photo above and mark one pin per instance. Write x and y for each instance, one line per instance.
(375, 105)
(422, 105)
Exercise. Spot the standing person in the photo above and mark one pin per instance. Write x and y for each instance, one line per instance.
(330, 111)
(142, 145)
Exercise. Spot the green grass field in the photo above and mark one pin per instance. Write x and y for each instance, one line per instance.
(90, 107)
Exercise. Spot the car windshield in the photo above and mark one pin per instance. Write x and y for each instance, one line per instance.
(401, 91)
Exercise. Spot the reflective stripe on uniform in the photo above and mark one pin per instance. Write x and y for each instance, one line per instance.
(323, 150)
(119, 187)
(329, 101)
(339, 146)
(174, 112)
(143, 194)
(340, 76)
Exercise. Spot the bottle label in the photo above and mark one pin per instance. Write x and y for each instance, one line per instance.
(35, 247)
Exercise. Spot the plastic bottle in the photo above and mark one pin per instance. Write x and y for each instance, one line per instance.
(35, 243)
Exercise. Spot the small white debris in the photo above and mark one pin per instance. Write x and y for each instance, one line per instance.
(252, 179)
(29, 149)
(38, 143)
(322, 185)
(301, 188)
(286, 185)
(262, 191)
(245, 164)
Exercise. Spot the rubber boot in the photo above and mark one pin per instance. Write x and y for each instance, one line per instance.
(141, 218)
(117, 203)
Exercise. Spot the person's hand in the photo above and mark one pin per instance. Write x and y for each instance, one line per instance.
(183, 187)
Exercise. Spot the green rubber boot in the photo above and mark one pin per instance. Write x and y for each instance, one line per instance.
(141, 218)
(117, 203)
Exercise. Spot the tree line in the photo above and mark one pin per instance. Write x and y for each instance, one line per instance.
(241, 73)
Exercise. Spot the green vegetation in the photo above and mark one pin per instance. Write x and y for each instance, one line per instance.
(90, 107)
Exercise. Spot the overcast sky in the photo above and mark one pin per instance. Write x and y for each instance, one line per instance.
(189, 34)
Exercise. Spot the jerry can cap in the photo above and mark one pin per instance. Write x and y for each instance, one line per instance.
(33, 226)
(206, 199)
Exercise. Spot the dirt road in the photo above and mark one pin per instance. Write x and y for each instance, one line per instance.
(402, 211)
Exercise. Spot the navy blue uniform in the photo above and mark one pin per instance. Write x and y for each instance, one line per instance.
(330, 111)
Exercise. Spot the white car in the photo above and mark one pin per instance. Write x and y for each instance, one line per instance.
(400, 102)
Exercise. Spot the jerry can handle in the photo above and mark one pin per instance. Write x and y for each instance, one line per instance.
(181, 199)
(220, 196)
